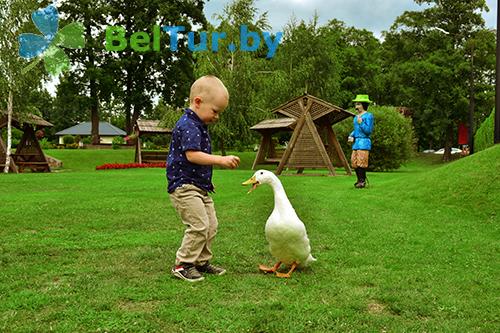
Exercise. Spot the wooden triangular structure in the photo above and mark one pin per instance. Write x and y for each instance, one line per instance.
(29, 154)
(313, 143)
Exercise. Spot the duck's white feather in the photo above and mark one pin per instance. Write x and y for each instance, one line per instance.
(285, 232)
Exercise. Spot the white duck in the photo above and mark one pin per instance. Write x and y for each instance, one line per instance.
(285, 232)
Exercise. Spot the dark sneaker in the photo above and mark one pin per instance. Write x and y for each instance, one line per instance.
(187, 272)
(211, 269)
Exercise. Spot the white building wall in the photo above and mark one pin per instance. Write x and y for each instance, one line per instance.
(104, 139)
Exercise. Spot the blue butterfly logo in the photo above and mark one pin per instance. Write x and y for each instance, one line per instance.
(46, 47)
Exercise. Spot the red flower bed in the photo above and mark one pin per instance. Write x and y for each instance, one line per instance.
(109, 166)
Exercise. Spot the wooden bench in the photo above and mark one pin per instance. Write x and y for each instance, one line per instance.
(276, 158)
(25, 154)
(34, 166)
(154, 156)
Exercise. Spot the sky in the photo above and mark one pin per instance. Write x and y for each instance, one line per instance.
(373, 15)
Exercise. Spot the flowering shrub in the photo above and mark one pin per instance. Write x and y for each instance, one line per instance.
(117, 142)
(109, 166)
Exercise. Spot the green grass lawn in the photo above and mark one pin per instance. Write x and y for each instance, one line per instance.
(91, 251)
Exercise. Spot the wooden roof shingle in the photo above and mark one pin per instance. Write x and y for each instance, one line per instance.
(274, 124)
(151, 126)
(28, 118)
(318, 109)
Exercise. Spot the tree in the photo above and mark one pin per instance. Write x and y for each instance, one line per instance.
(70, 106)
(333, 62)
(307, 61)
(361, 64)
(428, 65)
(140, 76)
(14, 85)
(239, 72)
(88, 71)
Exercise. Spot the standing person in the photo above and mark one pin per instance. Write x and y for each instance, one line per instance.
(363, 128)
(189, 174)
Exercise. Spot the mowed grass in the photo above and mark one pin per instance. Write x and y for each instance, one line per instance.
(91, 251)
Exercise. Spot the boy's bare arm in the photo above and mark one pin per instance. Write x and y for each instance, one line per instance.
(201, 158)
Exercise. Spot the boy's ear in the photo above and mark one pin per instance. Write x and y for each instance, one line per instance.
(197, 101)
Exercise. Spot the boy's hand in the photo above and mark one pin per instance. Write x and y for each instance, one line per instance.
(230, 161)
(360, 120)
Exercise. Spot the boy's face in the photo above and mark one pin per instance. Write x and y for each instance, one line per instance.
(210, 108)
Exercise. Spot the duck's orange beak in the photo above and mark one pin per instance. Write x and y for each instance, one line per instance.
(252, 181)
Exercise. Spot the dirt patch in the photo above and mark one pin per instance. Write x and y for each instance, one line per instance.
(141, 306)
(375, 307)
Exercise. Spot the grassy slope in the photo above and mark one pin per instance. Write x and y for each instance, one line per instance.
(81, 251)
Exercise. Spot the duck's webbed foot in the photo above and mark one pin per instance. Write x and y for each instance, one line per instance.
(273, 269)
(289, 274)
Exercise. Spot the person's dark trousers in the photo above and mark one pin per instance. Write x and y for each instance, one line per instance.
(361, 174)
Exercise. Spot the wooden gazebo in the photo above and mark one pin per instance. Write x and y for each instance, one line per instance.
(29, 154)
(313, 143)
(145, 127)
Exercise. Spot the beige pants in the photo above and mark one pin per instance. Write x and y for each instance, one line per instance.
(359, 158)
(197, 212)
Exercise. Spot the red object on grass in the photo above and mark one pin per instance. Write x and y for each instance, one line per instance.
(110, 166)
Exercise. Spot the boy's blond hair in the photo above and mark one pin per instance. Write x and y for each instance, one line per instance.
(207, 87)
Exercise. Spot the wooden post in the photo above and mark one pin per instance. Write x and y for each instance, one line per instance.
(261, 154)
(293, 139)
(334, 142)
(138, 153)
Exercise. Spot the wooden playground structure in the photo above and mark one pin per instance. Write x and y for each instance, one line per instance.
(313, 143)
(149, 127)
(29, 154)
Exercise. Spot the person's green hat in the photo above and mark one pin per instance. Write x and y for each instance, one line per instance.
(362, 99)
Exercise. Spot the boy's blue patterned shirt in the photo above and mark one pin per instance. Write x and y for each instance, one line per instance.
(190, 133)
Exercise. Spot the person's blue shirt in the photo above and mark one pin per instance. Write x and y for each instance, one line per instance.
(190, 133)
(362, 132)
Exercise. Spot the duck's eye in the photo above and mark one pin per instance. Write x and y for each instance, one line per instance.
(261, 173)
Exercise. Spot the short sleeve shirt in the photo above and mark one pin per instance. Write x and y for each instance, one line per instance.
(190, 133)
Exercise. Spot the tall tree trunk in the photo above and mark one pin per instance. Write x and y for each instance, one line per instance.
(128, 103)
(128, 87)
(94, 112)
(136, 114)
(94, 99)
(9, 133)
(448, 144)
(472, 105)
